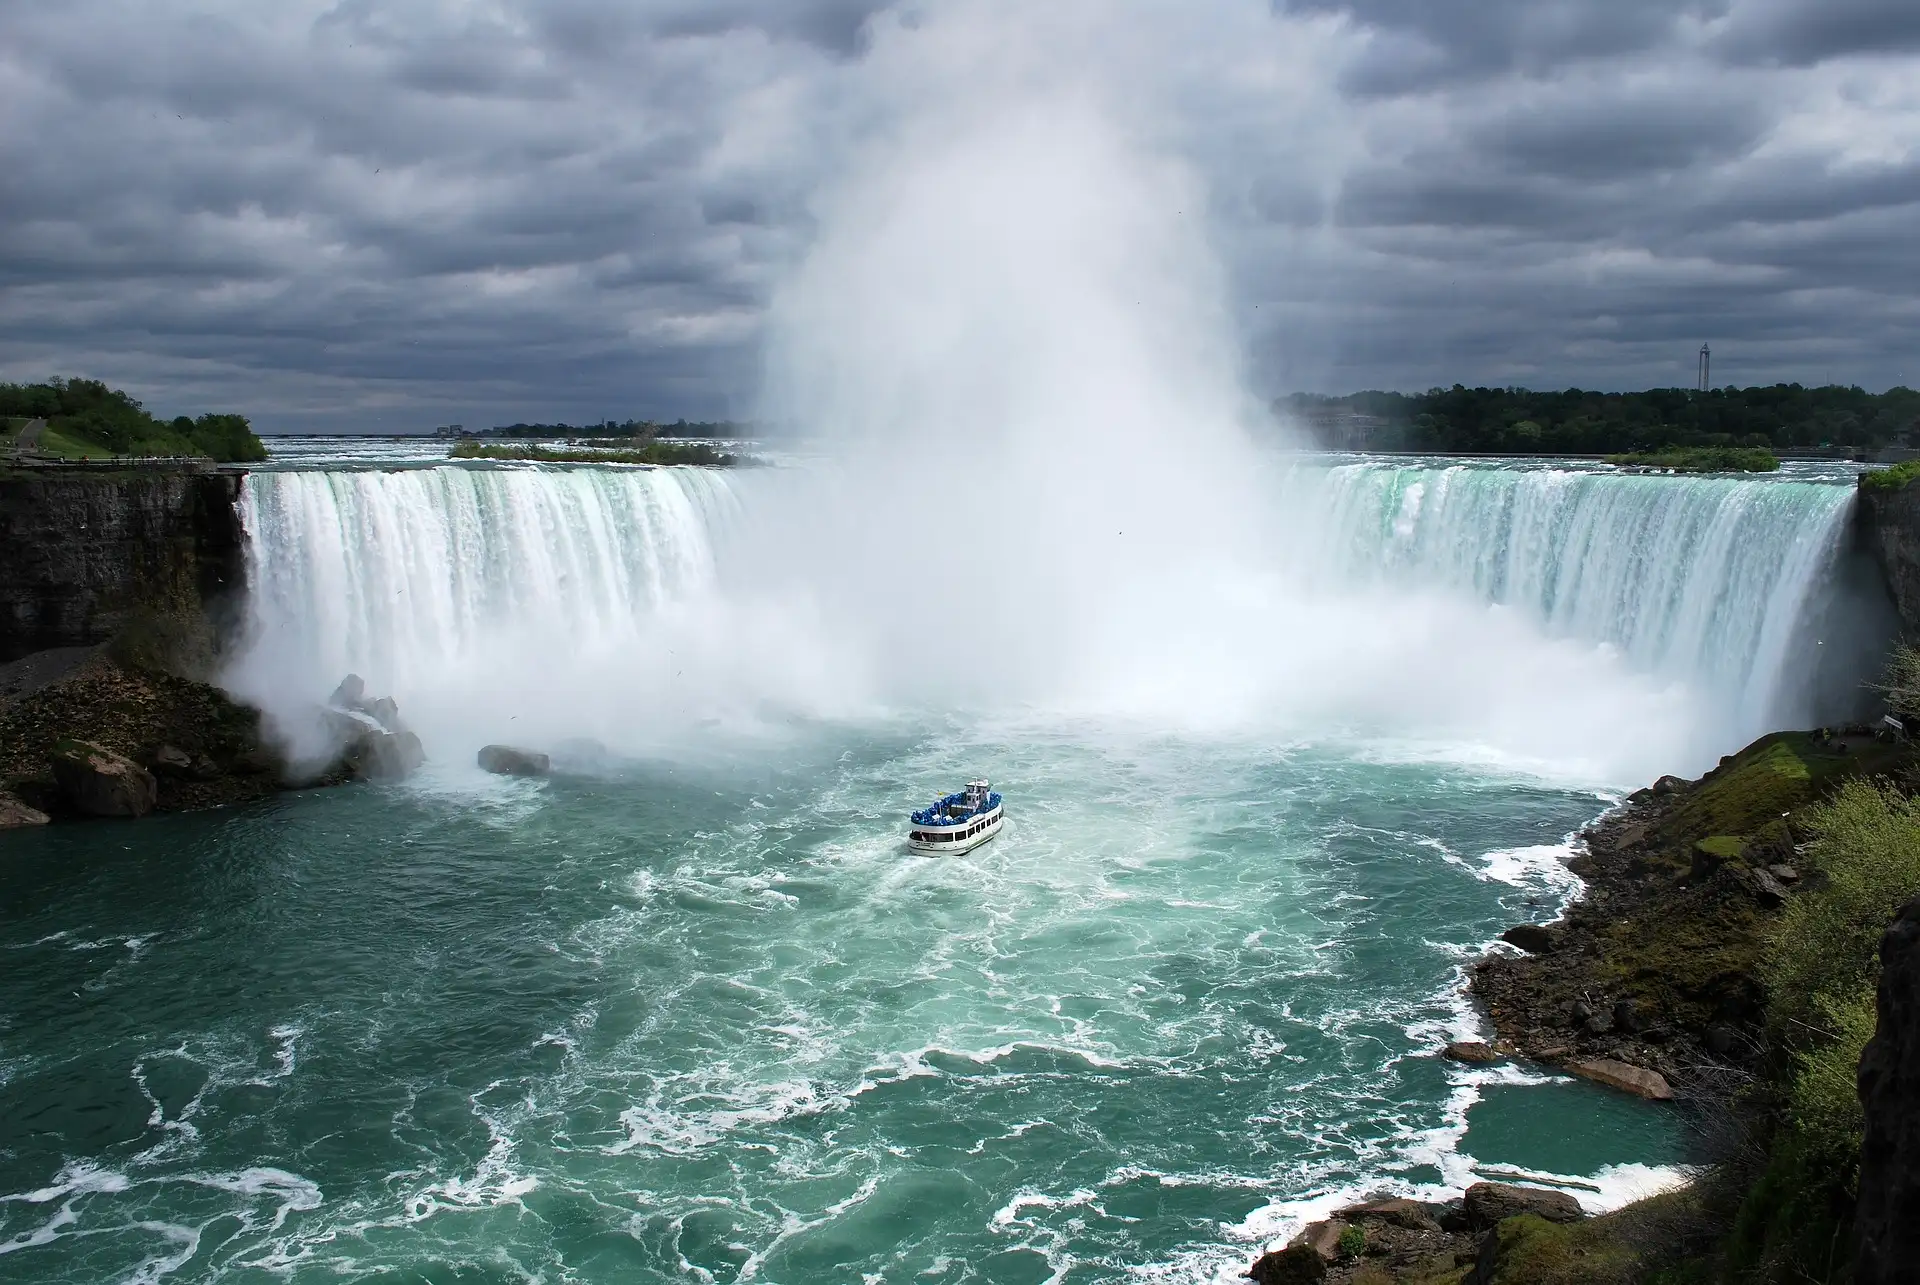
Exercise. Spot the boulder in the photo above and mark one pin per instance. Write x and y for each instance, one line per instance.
(15, 815)
(1784, 873)
(384, 756)
(1487, 1204)
(1323, 1238)
(1294, 1265)
(508, 760)
(171, 760)
(1707, 858)
(1399, 1211)
(385, 711)
(350, 693)
(1624, 1076)
(100, 783)
(1535, 939)
(1472, 1052)
(1670, 784)
(1766, 889)
(1626, 1016)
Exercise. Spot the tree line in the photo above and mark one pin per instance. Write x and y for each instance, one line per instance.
(1520, 421)
(86, 417)
(636, 428)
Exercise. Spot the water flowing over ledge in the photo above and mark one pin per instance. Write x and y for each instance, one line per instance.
(1727, 590)
(397, 572)
(1718, 582)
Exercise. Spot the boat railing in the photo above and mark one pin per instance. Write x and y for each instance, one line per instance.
(938, 814)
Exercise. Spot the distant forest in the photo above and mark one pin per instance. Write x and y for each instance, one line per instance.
(638, 428)
(88, 420)
(1790, 418)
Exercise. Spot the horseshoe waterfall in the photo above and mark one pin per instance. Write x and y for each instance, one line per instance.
(685, 1010)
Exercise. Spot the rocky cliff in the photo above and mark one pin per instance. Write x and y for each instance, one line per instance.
(83, 552)
(1887, 1216)
(1889, 519)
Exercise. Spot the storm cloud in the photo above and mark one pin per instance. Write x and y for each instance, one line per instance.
(385, 216)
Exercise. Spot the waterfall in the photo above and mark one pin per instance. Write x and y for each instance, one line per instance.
(1514, 609)
(1714, 581)
(397, 574)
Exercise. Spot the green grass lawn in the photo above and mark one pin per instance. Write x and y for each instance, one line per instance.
(53, 442)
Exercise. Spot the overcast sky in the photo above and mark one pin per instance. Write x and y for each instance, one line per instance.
(386, 215)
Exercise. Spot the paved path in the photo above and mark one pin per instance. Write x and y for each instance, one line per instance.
(29, 439)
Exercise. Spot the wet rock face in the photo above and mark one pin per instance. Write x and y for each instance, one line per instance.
(375, 745)
(1887, 1215)
(84, 551)
(385, 756)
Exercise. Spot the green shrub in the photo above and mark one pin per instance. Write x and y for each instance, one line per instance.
(1890, 479)
(1703, 459)
(1901, 684)
(1823, 951)
(652, 453)
(1823, 1106)
(1353, 1242)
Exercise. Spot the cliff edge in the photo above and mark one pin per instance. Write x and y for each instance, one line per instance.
(88, 551)
(1889, 517)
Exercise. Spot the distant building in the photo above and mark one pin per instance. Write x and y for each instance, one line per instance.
(450, 430)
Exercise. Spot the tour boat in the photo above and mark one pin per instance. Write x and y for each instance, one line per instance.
(958, 823)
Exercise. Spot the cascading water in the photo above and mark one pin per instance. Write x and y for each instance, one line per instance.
(417, 577)
(1705, 581)
(590, 601)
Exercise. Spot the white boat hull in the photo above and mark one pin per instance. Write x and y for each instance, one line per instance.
(934, 841)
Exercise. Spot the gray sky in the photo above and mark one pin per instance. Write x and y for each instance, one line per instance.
(387, 215)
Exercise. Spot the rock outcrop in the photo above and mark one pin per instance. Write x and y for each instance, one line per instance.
(383, 756)
(374, 744)
(1294, 1265)
(1624, 1076)
(89, 551)
(1487, 1204)
(15, 815)
(1535, 939)
(1887, 1214)
(100, 783)
(507, 760)
(197, 746)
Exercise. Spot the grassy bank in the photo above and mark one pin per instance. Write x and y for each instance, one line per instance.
(650, 453)
(1702, 459)
(87, 420)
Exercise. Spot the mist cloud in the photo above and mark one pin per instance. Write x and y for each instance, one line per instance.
(393, 215)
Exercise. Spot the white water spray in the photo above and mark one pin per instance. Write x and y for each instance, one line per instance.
(1011, 345)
